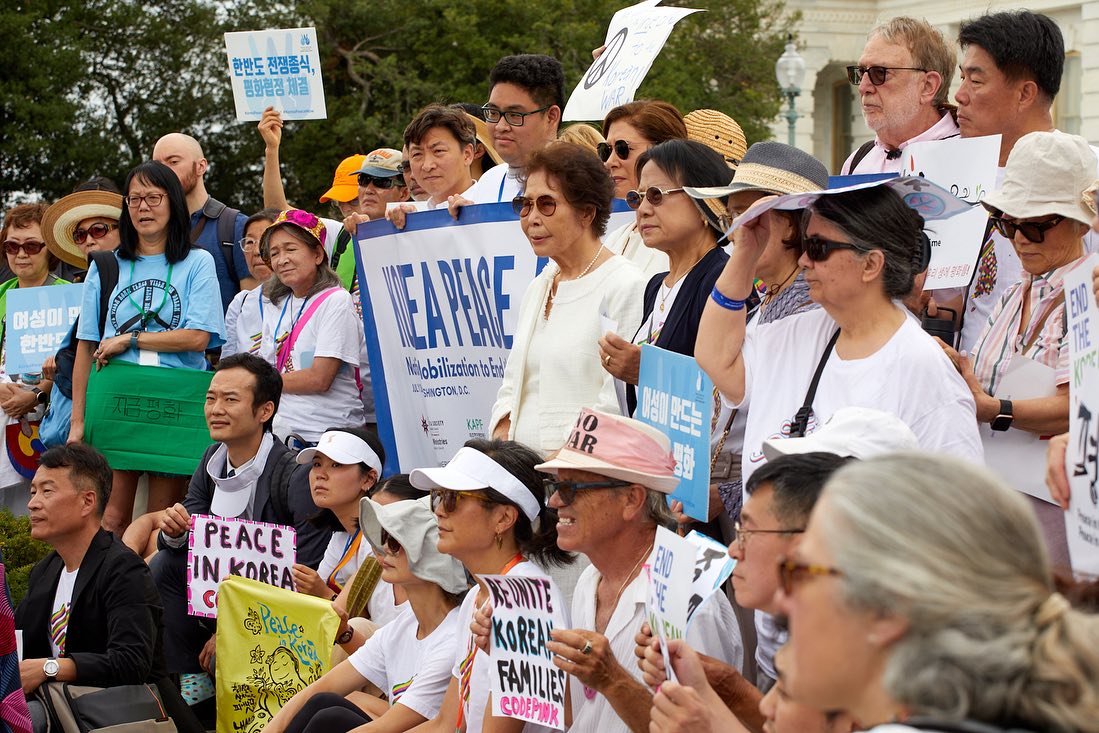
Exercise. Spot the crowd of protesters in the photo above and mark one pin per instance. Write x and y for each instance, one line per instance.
(887, 577)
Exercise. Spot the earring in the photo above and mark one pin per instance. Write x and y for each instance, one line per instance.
(872, 639)
(499, 541)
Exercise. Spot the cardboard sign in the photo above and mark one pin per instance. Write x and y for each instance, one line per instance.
(634, 38)
(675, 396)
(525, 682)
(271, 644)
(280, 69)
(37, 320)
(713, 566)
(670, 569)
(219, 548)
(1082, 456)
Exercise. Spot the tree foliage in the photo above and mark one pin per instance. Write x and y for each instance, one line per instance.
(100, 80)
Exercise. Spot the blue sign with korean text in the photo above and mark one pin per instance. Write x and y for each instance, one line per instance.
(280, 69)
(675, 396)
(37, 321)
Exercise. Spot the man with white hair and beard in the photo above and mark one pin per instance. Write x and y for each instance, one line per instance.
(214, 226)
(903, 77)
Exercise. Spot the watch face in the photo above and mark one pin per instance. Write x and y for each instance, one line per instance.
(51, 667)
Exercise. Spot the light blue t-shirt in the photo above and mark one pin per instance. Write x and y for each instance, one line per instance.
(192, 301)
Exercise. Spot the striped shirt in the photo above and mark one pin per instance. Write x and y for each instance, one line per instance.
(1044, 339)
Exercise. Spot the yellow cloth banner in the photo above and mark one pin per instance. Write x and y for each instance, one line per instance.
(271, 643)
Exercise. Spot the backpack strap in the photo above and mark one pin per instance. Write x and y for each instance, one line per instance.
(227, 226)
(107, 265)
(801, 419)
(280, 486)
(342, 240)
(861, 153)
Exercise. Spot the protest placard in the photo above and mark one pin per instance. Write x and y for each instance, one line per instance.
(525, 682)
(276, 68)
(675, 396)
(219, 547)
(713, 566)
(36, 322)
(440, 307)
(634, 38)
(670, 568)
(1082, 456)
(148, 418)
(271, 644)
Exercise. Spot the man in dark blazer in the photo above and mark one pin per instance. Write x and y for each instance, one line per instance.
(246, 474)
(91, 615)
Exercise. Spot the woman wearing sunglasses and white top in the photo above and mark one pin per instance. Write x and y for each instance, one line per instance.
(862, 251)
(553, 369)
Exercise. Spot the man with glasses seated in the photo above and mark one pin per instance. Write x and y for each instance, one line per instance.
(613, 478)
(903, 79)
(526, 96)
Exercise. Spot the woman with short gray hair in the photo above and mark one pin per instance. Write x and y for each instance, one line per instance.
(921, 592)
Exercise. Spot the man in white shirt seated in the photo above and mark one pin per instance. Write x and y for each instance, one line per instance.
(903, 77)
(613, 478)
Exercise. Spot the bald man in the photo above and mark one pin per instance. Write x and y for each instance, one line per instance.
(214, 226)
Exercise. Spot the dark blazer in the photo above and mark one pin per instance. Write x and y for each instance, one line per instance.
(312, 541)
(114, 633)
(681, 326)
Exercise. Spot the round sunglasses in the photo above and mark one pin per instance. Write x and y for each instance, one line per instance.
(621, 148)
(652, 194)
(545, 203)
(95, 231)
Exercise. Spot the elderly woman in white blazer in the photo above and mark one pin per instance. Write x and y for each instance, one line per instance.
(554, 369)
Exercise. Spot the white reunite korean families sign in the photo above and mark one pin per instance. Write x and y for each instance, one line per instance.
(440, 307)
(634, 38)
(221, 547)
(1082, 456)
(37, 320)
(276, 68)
(526, 684)
(675, 396)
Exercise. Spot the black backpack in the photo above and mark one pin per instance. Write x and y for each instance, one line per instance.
(107, 264)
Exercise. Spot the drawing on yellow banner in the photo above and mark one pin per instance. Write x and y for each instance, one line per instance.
(271, 643)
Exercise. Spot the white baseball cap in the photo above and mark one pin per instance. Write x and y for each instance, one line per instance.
(859, 432)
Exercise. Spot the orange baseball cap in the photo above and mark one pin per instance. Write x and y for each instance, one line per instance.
(345, 184)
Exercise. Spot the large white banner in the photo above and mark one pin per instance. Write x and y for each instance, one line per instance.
(440, 306)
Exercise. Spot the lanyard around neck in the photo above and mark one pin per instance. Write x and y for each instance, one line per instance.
(285, 303)
(147, 316)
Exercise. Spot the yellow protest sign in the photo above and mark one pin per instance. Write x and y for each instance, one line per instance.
(271, 643)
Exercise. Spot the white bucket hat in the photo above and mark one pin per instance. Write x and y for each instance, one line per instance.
(413, 524)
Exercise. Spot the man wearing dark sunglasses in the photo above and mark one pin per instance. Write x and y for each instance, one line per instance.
(381, 181)
(903, 80)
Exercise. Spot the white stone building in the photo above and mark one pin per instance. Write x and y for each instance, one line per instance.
(831, 35)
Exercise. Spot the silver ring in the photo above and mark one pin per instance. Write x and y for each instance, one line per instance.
(587, 648)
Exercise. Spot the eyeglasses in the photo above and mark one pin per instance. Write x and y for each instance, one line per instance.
(391, 544)
(791, 573)
(743, 534)
(248, 244)
(382, 182)
(152, 199)
(1033, 231)
(654, 195)
(514, 118)
(522, 205)
(448, 499)
(877, 74)
(95, 231)
(566, 490)
(818, 249)
(621, 148)
(31, 248)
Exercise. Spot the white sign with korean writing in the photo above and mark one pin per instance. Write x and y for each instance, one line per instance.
(634, 38)
(278, 68)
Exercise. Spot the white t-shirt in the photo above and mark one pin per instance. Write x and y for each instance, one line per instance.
(909, 376)
(479, 684)
(412, 672)
(337, 545)
(381, 605)
(244, 322)
(499, 183)
(335, 331)
(713, 631)
(59, 611)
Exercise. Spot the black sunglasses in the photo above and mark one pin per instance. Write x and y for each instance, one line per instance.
(31, 248)
(818, 249)
(621, 148)
(390, 543)
(652, 194)
(382, 182)
(1034, 231)
(567, 489)
(522, 205)
(877, 74)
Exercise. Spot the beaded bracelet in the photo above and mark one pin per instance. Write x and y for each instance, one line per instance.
(725, 302)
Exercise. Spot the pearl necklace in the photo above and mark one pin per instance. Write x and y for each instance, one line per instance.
(553, 287)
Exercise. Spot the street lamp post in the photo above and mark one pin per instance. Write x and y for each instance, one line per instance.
(790, 72)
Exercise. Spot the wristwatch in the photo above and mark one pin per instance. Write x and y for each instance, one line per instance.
(39, 395)
(133, 340)
(51, 667)
(346, 636)
(1003, 421)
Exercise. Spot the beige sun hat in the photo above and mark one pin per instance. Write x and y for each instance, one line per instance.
(719, 132)
(1047, 173)
(60, 220)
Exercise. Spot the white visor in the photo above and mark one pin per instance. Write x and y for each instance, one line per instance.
(472, 470)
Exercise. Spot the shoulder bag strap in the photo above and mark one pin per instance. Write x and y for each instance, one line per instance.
(801, 419)
(1042, 324)
(288, 345)
(861, 153)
